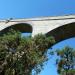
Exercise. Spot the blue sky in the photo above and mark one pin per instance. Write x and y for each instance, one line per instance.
(37, 8)
(34, 8)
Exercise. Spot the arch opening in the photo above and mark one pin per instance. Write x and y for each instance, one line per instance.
(22, 27)
(63, 32)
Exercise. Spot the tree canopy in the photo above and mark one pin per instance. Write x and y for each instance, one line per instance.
(66, 61)
(20, 55)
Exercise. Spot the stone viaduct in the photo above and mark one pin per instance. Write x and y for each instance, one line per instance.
(61, 27)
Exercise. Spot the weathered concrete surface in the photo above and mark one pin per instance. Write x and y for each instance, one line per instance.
(61, 27)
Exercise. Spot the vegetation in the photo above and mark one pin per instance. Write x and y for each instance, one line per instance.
(20, 55)
(66, 61)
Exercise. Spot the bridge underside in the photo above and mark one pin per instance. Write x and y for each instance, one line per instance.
(22, 27)
(63, 32)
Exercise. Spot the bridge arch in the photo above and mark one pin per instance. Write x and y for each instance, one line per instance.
(63, 32)
(22, 27)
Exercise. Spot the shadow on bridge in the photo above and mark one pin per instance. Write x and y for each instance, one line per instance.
(22, 27)
(63, 32)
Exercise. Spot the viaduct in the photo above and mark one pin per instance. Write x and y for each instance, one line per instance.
(61, 27)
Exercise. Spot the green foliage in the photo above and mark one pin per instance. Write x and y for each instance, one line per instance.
(20, 55)
(66, 61)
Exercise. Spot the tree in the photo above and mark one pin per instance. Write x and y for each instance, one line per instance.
(66, 61)
(20, 55)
